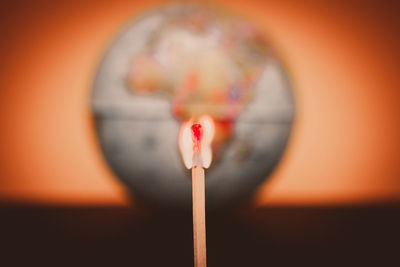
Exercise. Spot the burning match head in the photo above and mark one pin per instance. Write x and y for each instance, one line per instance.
(195, 142)
(197, 134)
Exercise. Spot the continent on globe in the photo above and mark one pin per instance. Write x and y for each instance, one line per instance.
(203, 64)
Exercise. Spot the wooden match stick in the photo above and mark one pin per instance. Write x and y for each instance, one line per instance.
(199, 217)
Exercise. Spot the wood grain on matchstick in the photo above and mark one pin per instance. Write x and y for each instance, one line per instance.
(199, 217)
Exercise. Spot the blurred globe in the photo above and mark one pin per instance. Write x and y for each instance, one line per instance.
(178, 62)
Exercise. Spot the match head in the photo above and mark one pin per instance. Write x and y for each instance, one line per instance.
(195, 142)
(197, 133)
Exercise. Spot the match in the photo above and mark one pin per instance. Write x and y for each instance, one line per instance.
(198, 199)
(195, 146)
(199, 217)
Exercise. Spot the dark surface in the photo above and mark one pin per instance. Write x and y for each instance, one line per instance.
(106, 236)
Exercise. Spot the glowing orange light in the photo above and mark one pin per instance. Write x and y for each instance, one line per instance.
(186, 145)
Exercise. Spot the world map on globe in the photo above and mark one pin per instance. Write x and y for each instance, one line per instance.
(180, 62)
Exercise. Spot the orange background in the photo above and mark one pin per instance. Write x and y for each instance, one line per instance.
(343, 60)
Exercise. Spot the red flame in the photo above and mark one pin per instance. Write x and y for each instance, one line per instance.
(197, 133)
(195, 141)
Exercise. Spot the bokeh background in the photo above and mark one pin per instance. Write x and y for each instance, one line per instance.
(335, 192)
